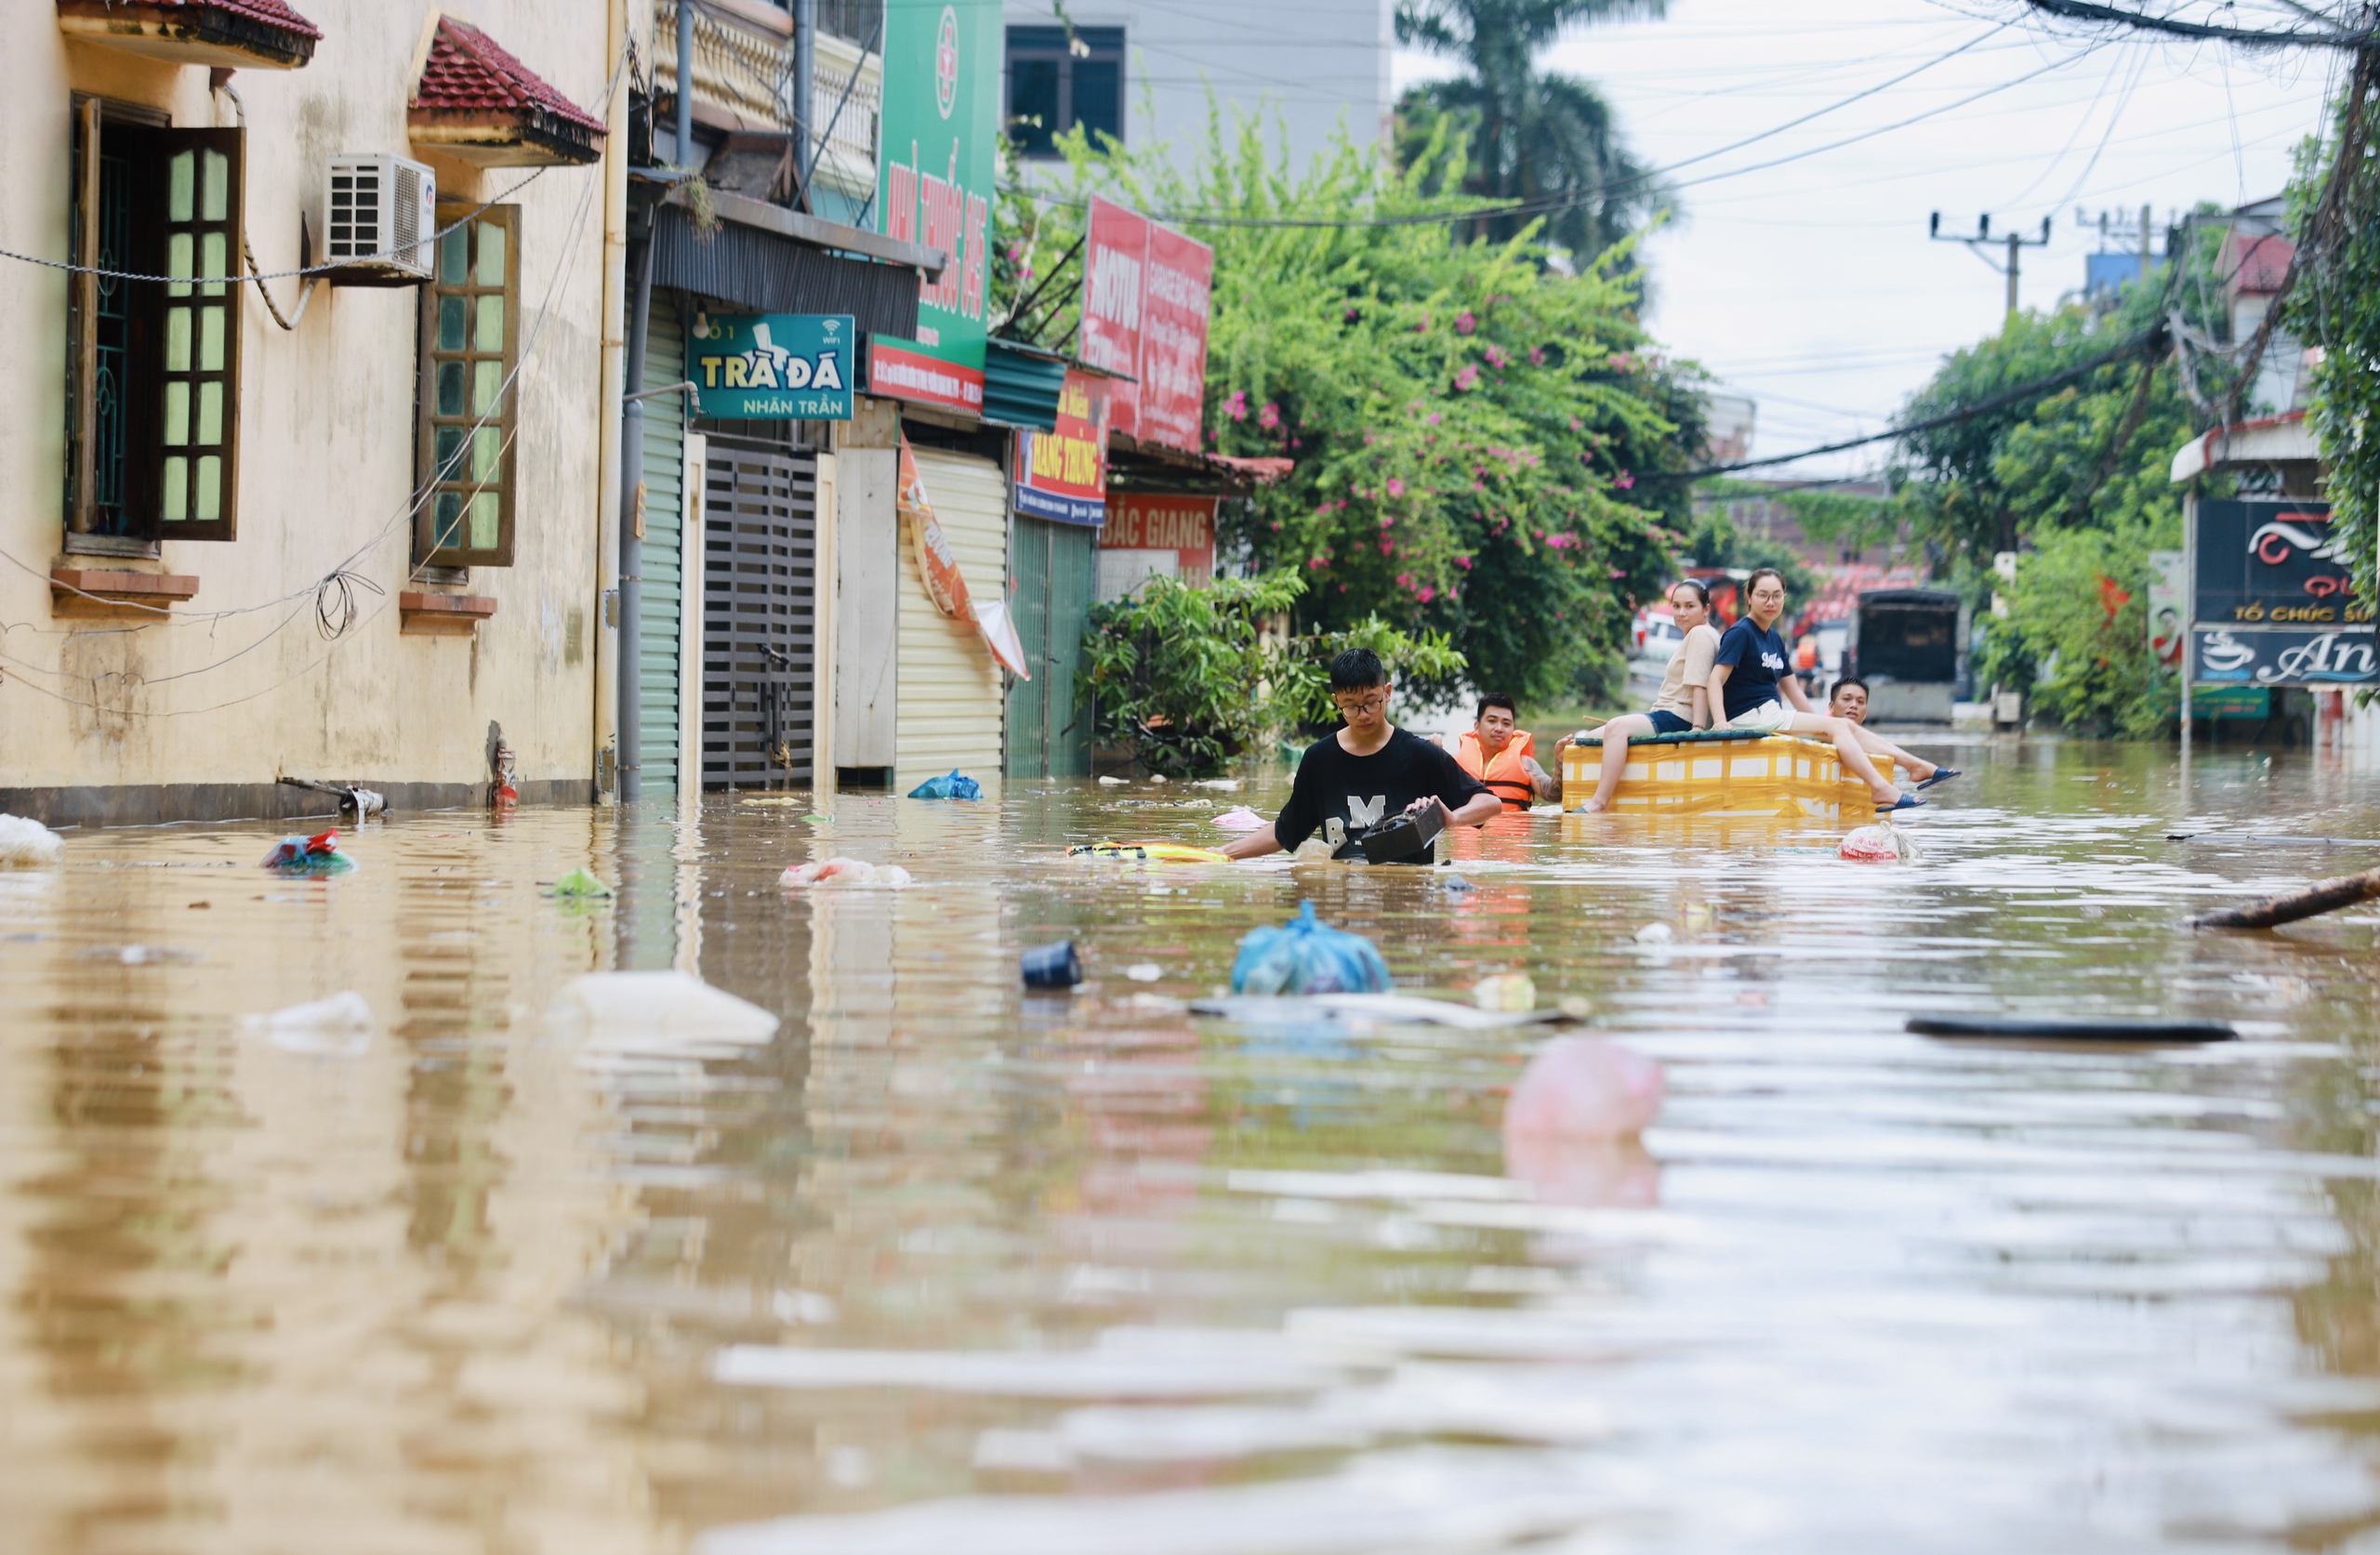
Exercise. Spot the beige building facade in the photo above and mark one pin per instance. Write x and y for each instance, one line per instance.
(229, 553)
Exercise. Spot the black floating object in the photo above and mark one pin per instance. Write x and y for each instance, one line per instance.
(1401, 837)
(1052, 965)
(2074, 1029)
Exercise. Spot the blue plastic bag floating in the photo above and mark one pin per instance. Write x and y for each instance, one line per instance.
(955, 785)
(1307, 956)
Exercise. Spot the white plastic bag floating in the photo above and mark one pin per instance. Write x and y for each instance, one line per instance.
(1879, 844)
(1585, 1087)
(658, 1012)
(1239, 818)
(840, 871)
(340, 1026)
(26, 844)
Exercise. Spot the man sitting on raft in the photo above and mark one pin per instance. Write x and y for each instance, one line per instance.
(1503, 756)
(1750, 684)
(1367, 772)
(1683, 703)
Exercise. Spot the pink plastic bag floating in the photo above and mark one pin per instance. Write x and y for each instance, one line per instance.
(844, 872)
(1879, 844)
(1239, 818)
(1585, 1087)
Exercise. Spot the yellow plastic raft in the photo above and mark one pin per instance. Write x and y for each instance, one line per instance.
(1723, 773)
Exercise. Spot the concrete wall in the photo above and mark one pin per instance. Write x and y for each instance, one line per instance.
(326, 460)
(1313, 66)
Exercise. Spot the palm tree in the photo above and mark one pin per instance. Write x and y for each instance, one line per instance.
(1549, 141)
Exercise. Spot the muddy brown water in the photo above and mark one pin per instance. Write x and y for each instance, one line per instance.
(945, 1268)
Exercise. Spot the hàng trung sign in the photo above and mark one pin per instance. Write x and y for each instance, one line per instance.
(1062, 474)
(772, 366)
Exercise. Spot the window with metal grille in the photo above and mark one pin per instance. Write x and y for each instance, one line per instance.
(153, 374)
(471, 331)
(1059, 78)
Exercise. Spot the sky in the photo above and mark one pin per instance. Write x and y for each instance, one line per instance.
(1812, 286)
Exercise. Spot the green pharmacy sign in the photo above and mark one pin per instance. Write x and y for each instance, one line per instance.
(773, 366)
(941, 136)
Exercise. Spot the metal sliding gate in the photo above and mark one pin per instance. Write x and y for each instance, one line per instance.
(759, 579)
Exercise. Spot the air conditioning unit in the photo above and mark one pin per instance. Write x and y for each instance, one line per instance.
(378, 216)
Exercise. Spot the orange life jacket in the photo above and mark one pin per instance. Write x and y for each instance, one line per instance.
(1505, 777)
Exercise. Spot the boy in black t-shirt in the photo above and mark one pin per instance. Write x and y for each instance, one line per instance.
(1366, 773)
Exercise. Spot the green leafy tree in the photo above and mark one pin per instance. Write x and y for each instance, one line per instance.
(1534, 135)
(1187, 679)
(1469, 432)
(2076, 481)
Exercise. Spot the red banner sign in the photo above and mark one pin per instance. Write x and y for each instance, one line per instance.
(1062, 474)
(894, 373)
(1176, 286)
(1114, 254)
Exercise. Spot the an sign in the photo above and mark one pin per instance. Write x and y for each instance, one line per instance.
(1175, 287)
(1062, 474)
(940, 130)
(2270, 563)
(1145, 293)
(1155, 534)
(2348, 657)
(1114, 254)
(773, 366)
(2168, 587)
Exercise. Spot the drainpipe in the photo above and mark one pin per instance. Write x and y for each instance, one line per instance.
(631, 714)
(686, 137)
(806, 95)
(607, 503)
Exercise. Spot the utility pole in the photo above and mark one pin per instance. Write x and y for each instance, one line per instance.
(2015, 242)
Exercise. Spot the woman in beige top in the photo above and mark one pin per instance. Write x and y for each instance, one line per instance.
(1684, 702)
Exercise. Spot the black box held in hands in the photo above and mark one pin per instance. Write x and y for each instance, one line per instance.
(1401, 837)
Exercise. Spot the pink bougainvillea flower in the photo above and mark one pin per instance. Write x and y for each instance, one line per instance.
(1395, 486)
(1537, 356)
(1269, 418)
(1388, 545)
(1315, 565)
(1623, 480)
(1465, 323)
(1435, 418)
(1467, 377)
(1464, 562)
(1496, 357)
(1425, 593)
(1236, 406)
(1405, 580)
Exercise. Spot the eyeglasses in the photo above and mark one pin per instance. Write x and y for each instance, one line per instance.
(1365, 704)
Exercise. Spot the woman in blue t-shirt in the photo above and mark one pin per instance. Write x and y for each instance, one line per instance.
(1750, 684)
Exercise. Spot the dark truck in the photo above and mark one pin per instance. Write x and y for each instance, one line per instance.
(1905, 643)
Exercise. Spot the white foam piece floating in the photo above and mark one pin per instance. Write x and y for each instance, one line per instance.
(340, 1026)
(839, 871)
(1227, 785)
(658, 1012)
(1424, 1498)
(26, 844)
(1111, 1371)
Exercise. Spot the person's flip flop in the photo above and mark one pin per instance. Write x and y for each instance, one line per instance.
(1941, 774)
(1907, 801)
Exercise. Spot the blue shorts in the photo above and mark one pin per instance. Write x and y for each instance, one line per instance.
(1667, 722)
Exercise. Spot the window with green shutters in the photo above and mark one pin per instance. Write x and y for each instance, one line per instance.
(154, 375)
(471, 331)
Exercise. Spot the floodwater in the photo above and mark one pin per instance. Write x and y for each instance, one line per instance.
(948, 1270)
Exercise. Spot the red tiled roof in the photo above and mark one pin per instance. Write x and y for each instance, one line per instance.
(266, 13)
(469, 70)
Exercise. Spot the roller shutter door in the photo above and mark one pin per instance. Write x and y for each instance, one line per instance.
(951, 696)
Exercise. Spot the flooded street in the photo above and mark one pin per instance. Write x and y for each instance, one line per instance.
(947, 1268)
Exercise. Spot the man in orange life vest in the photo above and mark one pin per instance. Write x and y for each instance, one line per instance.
(1504, 756)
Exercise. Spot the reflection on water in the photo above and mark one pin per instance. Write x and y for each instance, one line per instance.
(941, 1266)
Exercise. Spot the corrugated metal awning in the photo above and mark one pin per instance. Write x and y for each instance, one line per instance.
(771, 275)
